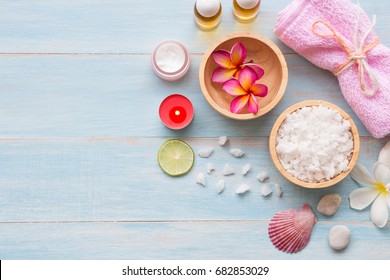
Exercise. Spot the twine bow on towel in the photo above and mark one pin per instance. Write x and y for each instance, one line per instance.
(356, 55)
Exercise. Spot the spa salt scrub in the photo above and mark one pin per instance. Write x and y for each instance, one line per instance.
(314, 144)
(170, 60)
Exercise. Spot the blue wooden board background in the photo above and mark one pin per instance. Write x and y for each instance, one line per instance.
(79, 134)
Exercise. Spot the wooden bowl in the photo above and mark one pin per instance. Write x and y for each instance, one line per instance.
(263, 52)
(275, 158)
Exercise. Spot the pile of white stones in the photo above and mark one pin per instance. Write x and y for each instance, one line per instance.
(229, 170)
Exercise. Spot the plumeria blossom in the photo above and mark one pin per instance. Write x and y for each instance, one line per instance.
(376, 190)
(245, 89)
(231, 63)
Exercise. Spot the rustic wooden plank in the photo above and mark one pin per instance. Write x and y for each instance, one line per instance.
(80, 133)
(119, 180)
(128, 26)
(118, 96)
(178, 240)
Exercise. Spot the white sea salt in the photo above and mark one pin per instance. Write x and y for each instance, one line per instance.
(206, 152)
(262, 176)
(222, 140)
(246, 168)
(314, 144)
(243, 188)
(210, 167)
(278, 190)
(200, 179)
(237, 152)
(220, 186)
(265, 190)
(228, 170)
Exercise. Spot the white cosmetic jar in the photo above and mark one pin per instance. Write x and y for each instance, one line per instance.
(170, 60)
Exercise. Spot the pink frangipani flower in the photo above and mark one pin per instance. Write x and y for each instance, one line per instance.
(245, 89)
(231, 63)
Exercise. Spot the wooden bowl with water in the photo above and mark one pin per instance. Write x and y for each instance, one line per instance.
(275, 158)
(260, 50)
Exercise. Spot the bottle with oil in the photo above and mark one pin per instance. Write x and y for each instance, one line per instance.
(207, 13)
(246, 10)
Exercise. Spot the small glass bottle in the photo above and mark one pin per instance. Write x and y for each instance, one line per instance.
(246, 10)
(207, 13)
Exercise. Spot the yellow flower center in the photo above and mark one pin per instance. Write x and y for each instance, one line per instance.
(381, 188)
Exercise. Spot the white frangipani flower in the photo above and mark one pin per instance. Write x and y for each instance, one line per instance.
(376, 190)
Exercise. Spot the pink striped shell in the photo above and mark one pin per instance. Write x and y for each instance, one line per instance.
(290, 230)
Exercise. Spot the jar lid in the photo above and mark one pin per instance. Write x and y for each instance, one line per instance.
(247, 4)
(170, 60)
(208, 8)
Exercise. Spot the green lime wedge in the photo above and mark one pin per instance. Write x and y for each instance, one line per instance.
(175, 157)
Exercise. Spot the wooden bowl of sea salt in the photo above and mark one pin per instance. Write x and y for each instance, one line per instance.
(314, 144)
(260, 50)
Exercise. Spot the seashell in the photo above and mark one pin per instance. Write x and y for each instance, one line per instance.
(210, 168)
(200, 179)
(228, 170)
(290, 230)
(278, 190)
(262, 176)
(243, 188)
(222, 140)
(220, 186)
(246, 168)
(265, 190)
(237, 152)
(205, 153)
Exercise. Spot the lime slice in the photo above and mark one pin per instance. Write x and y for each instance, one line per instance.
(175, 157)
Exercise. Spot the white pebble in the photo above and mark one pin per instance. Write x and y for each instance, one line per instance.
(243, 188)
(314, 144)
(210, 167)
(278, 190)
(228, 170)
(265, 190)
(237, 152)
(220, 186)
(262, 176)
(222, 140)
(205, 153)
(201, 180)
(339, 237)
(246, 168)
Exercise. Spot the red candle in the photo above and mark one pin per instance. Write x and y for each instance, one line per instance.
(176, 111)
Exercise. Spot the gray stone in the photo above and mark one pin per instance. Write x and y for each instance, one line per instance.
(339, 237)
(329, 204)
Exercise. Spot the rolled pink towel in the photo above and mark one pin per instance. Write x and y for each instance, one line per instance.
(324, 32)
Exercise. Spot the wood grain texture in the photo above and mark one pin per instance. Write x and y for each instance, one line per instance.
(129, 26)
(119, 96)
(119, 180)
(79, 134)
(179, 240)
